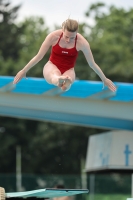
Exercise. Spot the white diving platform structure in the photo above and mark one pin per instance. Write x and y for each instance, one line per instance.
(85, 104)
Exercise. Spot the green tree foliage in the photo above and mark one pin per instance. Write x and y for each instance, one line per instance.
(46, 147)
(9, 32)
(111, 41)
(34, 33)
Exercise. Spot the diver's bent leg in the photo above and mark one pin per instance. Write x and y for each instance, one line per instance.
(51, 73)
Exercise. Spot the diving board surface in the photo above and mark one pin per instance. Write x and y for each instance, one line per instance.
(47, 193)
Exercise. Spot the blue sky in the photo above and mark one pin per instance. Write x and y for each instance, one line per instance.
(56, 11)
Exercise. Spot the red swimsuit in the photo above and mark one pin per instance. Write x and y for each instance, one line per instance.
(63, 58)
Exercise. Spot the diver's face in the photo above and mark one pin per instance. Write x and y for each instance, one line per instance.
(69, 36)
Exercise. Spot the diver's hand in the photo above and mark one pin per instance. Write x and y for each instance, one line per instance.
(21, 74)
(107, 82)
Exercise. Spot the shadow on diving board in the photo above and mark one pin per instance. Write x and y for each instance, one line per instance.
(47, 193)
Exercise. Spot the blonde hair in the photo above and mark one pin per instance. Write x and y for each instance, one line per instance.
(70, 25)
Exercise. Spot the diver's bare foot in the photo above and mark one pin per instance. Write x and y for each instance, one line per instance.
(62, 81)
(67, 84)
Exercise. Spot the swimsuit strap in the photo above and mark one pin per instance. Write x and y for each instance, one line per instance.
(75, 40)
(60, 38)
